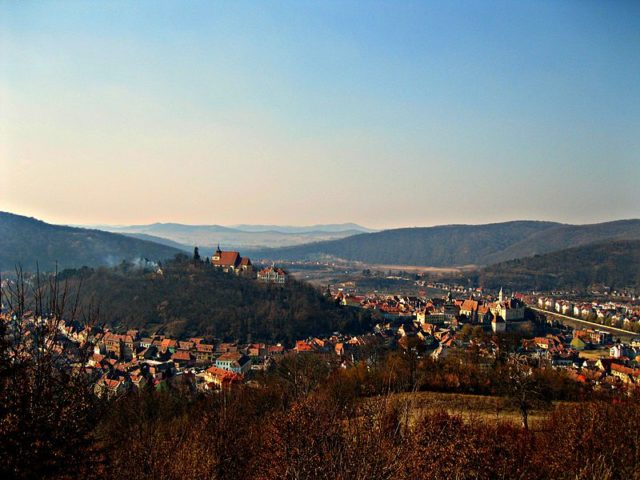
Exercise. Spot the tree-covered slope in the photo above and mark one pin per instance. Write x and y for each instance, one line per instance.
(25, 241)
(194, 300)
(615, 264)
(560, 237)
(459, 245)
(440, 246)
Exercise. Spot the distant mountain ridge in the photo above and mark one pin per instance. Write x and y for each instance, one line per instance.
(26, 240)
(332, 227)
(459, 245)
(160, 240)
(239, 236)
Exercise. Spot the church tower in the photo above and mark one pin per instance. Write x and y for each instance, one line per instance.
(216, 254)
(500, 296)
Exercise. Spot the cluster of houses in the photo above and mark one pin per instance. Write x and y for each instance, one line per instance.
(616, 314)
(608, 372)
(498, 313)
(121, 362)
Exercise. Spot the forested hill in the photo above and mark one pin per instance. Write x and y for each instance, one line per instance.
(199, 300)
(440, 246)
(458, 245)
(25, 241)
(615, 264)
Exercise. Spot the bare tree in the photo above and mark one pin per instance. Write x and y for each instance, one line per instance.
(521, 386)
(46, 402)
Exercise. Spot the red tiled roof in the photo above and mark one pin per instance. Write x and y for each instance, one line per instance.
(227, 259)
(302, 346)
(181, 355)
(112, 384)
(169, 343)
(469, 305)
(230, 356)
(223, 375)
(623, 369)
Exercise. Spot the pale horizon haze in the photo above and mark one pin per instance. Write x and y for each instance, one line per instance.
(381, 113)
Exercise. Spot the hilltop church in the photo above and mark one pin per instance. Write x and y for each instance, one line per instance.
(231, 261)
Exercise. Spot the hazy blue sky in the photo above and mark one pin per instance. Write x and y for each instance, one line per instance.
(383, 113)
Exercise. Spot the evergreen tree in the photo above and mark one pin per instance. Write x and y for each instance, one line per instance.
(196, 255)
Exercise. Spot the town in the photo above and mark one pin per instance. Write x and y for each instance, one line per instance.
(434, 327)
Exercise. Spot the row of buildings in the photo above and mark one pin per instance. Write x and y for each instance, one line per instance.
(498, 312)
(622, 314)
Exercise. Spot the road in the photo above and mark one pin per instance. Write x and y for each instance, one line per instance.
(569, 320)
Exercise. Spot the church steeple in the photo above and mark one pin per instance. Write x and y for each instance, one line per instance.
(216, 254)
(500, 295)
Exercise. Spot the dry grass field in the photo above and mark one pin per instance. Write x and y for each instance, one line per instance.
(471, 407)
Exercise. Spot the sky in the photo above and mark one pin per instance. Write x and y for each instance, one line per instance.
(384, 113)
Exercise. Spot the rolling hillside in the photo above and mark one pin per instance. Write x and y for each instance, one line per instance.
(615, 264)
(25, 241)
(568, 236)
(459, 245)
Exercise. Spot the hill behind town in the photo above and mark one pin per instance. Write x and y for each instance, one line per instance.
(458, 245)
(615, 264)
(25, 241)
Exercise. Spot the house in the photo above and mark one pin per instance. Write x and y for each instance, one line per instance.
(484, 314)
(626, 374)
(231, 261)
(221, 377)
(110, 387)
(578, 343)
(168, 345)
(274, 350)
(498, 325)
(272, 275)
(234, 362)
(112, 344)
(204, 352)
(138, 381)
(469, 309)
(257, 350)
(182, 358)
(352, 301)
(303, 347)
(129, 345)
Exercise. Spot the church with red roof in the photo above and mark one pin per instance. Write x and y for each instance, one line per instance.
(231, 261)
